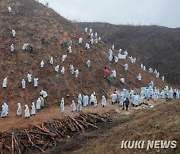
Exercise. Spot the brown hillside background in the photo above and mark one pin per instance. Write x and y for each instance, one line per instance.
(32, 21)
(157, 46)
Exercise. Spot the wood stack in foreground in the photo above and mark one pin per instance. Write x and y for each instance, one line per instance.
(47, 135)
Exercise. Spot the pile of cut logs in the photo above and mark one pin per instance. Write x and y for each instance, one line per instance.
(47, 135)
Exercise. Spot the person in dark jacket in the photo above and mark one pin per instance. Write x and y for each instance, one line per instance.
(126, 103)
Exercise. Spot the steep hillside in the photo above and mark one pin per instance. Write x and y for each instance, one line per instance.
(32, 22)
(157, 46)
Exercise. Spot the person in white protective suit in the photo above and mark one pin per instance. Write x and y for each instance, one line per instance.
(86, 29)
(29, 77)
(12, 48)
(36, 82)
(113, 47)
(62, 70)
(88, 63)
(163, 78)
(114, 98)
(64, 57)
(76, 73)
(71, 69)
(13, 33)
(79, 105)
(23, 82)
(51, 61)
(25, 46)
(80, 40)
(126, 66)
(87, 46)
(56, 68)
(19, 110)
(114, 73)
(139, 77)
(27, 112)
(9, 9)
(70, 49)
(4, 85)
(33, 109)
(95, 101)
(43, 93)
(103, 101)
(62, 105)
(38, 104)
(42, 64)
(73, 106)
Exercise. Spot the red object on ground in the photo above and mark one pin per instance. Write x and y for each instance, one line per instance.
(106, 71)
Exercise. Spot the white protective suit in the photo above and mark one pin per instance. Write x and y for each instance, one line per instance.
(69, 49)
(88, 63)
(126, 67)
(36, 82)
(79, 105)
(51, 61)
(116, 59)
(71, 69)
(114, 73)
(73, 105)
(43, 93)
(19, 110)
(27, 113)
(103, 101)
(64, 57)
(38, 104)
(56, 68)
(86, 29)
(12, 47)
(114, 98)
(80, 40)
(13, 33)
(5, 83)
(29, 77)
(9, 9)
(85, 100)
(62, 105)
(113, 47)
(23, 84)
(95, 101)
(3, 112)
(62, 70)
(76, 73)
(33, 109)
(110, 57)
(122, 80)
(42, 64)
(25, 46)
(139, 77)
(87, 46)
(6, 108)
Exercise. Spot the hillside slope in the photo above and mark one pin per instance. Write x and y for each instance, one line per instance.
(32, 22)
(158, 47)
(160, 123)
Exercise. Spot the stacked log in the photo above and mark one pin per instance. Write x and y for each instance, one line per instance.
(47, 135)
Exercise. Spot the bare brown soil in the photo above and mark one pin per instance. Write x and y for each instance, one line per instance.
(155, 46)
(32, 22)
